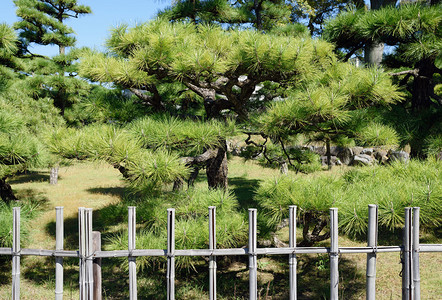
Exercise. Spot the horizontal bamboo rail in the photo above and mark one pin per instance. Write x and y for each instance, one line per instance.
(220, 252)
(410, 251)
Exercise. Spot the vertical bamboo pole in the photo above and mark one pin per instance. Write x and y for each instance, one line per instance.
(96, 241)
(82, 252)
(334, 255)
(372, 241)
(415, 255)
(170, 254)
(292, 257)
(407, 267)
(253, 264)
(59, 236)
(89, 255)
(16, 254)
(212, 246)
(132, 260)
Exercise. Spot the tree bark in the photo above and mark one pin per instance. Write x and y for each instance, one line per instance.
(6, 192)
(216, 166)
(328, 153)
(375, 50)
(422, 85)
(53, 177)
(373, 53)
(216, 169)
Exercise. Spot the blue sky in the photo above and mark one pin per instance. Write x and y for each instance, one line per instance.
(92, 30)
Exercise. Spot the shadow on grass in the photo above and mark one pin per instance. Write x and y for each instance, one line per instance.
(113, 191)
(244, 190)
(30, 176)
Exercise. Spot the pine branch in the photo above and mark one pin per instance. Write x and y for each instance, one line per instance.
(414, 72)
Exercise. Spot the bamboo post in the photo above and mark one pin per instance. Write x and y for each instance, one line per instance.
(132, 259)
(170, 254)
(415, 255)
(16, 254)
(372, 241)
(96, 246)
(212, 246)
(407, 266)
(59, 236)
(292, 257)
(89, 255)
(82, 252)
(253, 264)
(334, 255)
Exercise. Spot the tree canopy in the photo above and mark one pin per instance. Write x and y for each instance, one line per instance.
(414, 30)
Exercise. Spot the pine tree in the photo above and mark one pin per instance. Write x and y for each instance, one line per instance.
(261, 14)
(22, 119)
(43, 22)
(414, 31)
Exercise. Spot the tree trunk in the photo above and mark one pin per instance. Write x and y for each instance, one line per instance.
(6, 192)
(178, 184)
(216, 168)
(53, 177)
(422, 85)
(373, 54)
(375, 50)
(328, 153)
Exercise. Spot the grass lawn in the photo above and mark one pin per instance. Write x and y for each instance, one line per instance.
(101, 187)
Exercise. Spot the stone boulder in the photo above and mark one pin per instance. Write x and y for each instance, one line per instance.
(400, 156)
(357, 150)
(346, 156)
(362, 160)
(333, 159)
(367, 151)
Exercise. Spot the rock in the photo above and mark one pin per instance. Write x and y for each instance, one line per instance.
(320, 150)
(400, 156)
(367, 151)
(346, 156)
(362, 160)
(334, 150)
(357, 150)
(381, 156)
(334, 161)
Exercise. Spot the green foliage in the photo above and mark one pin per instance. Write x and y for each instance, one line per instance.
(326, 105)
(433, 145)
(41, 22)
(188, 137)
(375, 134)
(391, 187)
(104, 105)
(191, 225)
(207, 60)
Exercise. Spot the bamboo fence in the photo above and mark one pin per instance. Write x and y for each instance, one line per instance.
(90, 256)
